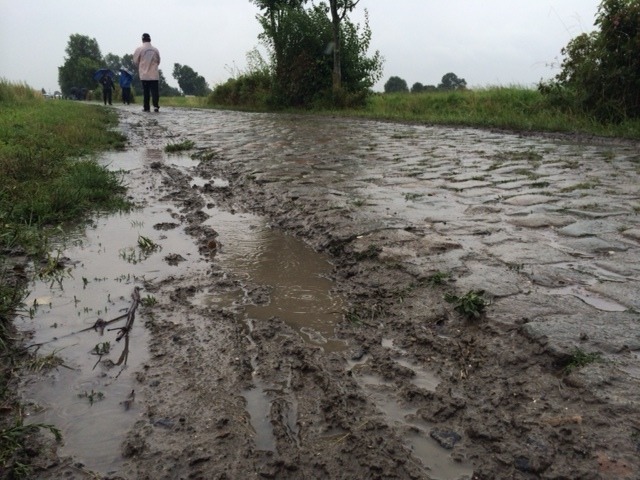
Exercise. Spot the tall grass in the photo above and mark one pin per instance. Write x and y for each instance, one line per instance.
(514, 108)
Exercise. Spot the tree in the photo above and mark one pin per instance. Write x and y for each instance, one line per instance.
(271, 20)
(339, 9)
(189, 81)
(450, 81)
(164, 88)
(112, 62)
(417, 87)
(395, 84)
(600, 73)
(82, 60)
(301, 45)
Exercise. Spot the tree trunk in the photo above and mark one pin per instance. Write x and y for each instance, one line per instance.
(337, 70)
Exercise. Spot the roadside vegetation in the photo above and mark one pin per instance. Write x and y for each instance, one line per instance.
(48, 180)
(596, 92)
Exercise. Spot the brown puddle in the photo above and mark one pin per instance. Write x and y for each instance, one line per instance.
(300, 291)
(88, 398)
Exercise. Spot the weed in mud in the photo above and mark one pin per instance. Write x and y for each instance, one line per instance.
(581, 186)
(102, 348)
(539, 184)
(437, 278)
(14, 441)
(40, 363)
(471, 305)
(179, 147)
(579, 358)
(149, 301)
(92, 396)
(412, 196)
(205, 156)
(515, 267)
(146, 244)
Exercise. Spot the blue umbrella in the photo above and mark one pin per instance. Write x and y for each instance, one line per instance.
(126, 77)
(101, 73)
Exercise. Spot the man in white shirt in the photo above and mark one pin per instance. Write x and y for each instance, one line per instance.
(147, 58)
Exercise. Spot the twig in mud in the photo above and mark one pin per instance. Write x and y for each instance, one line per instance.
(131, 316)
(98, 326)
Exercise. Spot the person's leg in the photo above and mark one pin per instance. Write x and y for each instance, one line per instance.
(146, 87)
(104, 95)
(109, 95)
(155, 94)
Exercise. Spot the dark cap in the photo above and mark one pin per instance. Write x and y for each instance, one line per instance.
(146, 37)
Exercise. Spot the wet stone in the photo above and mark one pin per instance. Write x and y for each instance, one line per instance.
(632, 233)
(585, 228)
(526, 200)
(606, 332)
(541, 221)
(446, 438)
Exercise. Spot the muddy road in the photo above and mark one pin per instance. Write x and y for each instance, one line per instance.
(295, 319)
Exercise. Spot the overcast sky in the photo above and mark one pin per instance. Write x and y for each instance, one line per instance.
(486, 42)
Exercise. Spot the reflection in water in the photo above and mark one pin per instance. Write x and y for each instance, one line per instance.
(300, 291)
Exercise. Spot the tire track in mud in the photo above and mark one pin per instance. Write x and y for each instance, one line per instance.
(501, 403)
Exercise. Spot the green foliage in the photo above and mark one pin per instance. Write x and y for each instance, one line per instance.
(600, 70)
(189, 81)
(579, 358)
(82, 60)
(14, 441)
(250, 90)
(450, 81)
(471, 305)
(437, 278)
(43, 180)
(301, 46)
(395, 85)
(496, 107)
(179, 147)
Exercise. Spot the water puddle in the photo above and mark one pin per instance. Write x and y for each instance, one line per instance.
(91, 401)
(300, 291)
(94, 402)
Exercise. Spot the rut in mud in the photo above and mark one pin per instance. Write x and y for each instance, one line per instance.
(246, 377)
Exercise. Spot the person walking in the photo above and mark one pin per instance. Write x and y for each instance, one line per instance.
(125, 85)
(107, 88)
(147, 58)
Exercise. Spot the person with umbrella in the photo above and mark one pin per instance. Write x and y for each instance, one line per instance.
(105, 77)
(147, 58)
(125, 85)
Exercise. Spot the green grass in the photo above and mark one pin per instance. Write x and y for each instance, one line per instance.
(47, 173)
(510, 108)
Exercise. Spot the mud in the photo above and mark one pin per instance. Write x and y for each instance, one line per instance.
(245, 376)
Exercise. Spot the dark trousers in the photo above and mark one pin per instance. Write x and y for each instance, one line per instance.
(150, 89)
(106, 95)
(126, 95)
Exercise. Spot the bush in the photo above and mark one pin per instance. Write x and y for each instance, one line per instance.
(599, 73)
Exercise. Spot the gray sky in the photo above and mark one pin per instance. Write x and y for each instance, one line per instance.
(486, 42)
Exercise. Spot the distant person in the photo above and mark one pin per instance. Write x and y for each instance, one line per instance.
(125, 85)
(107, 88)
(147, 58)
